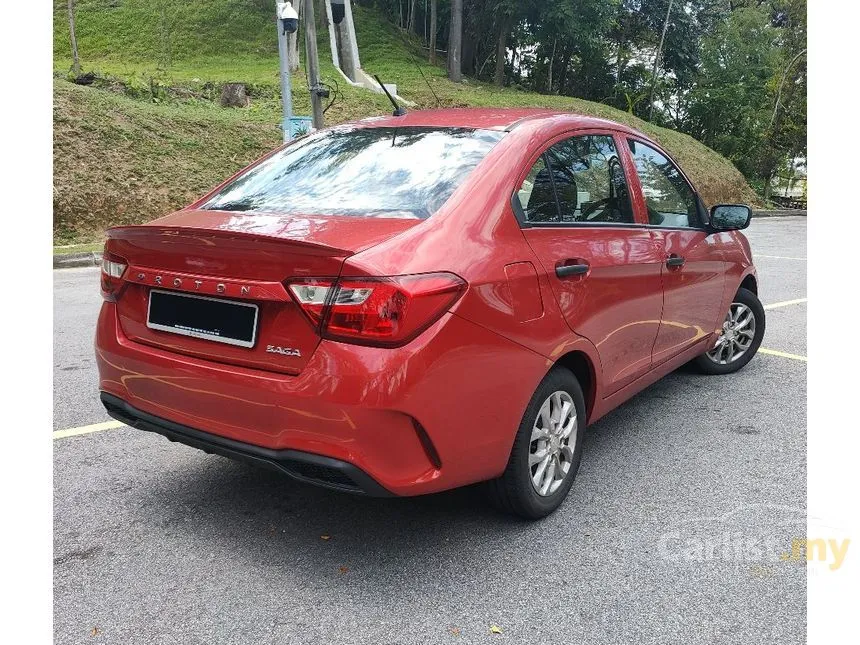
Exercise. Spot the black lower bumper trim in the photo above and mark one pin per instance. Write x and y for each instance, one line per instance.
(303, 466)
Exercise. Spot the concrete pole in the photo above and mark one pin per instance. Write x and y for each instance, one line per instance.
(286, 84)
(349, 27)
(313, 63)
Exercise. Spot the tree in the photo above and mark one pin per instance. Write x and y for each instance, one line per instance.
(73, 39)
(565, 47)
(455, 42)
(413, 9)
(731, 104)
(785, 136)
(629, 31)
(501, 51)
(293, 49)
(433, 28)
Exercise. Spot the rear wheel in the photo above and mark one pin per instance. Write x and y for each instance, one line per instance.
(740, 336)
(547, 450)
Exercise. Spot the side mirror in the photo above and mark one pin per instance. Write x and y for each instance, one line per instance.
(730, 217)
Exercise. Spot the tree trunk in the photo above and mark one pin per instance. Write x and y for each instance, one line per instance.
(433, 27)
(321, 15)
(293, 50)
(501, 51)
(468, 54)
(565, 63)
(455, 42)
(782, 84)
(657, 61)
(413, 8)
(233, 95)
(549, 69)
(767, 189)
(76, 62)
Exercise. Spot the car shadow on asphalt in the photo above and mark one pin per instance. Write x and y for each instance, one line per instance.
(265, 517)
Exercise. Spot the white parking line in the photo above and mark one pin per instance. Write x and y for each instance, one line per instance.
(95, 427)
(778, 257)
(785, 303)
(111, 425)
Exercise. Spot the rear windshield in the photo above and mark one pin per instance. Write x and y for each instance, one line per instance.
(365, 172)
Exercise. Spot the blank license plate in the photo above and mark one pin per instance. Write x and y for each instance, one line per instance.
(223, 321)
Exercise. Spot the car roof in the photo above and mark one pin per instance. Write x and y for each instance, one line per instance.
(489, 118)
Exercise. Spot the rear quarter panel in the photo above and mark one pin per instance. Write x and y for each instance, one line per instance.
(476, 236)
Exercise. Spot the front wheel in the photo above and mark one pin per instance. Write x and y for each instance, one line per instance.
(740, 336)
(547, 449)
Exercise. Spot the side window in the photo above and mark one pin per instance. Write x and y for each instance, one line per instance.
(537, 196)
(668, 196)
(587, 180)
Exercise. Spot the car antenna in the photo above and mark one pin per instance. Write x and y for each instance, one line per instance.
(420, 71)
(398, 111)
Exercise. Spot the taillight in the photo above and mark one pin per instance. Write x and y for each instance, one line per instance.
(387, 312)
(113, 268)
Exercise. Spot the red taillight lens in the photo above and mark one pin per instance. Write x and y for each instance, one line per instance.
(113, 268)
(377, 311)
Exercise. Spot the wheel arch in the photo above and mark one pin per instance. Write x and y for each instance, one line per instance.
(585, 371)
(749, 283)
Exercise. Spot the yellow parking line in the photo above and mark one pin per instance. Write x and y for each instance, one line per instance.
(95, 427)
(773, 352)
(785, 303)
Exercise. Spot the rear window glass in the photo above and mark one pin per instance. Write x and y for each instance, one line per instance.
(405, 172)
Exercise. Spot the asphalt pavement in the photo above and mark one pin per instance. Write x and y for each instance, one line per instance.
(686, 497)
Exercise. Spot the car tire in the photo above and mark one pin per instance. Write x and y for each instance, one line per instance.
(718, 359)
(518, 490)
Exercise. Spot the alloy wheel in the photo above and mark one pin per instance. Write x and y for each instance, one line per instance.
(736, 336)
(552, 443)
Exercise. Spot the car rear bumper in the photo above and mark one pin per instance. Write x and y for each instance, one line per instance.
(303, 466)
(439, 413)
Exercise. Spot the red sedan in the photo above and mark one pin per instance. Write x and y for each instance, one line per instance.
(409, 304)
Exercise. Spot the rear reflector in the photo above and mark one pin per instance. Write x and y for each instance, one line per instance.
(385, 312)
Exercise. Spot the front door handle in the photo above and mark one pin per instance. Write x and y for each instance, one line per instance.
(567, 270)
(675, 260)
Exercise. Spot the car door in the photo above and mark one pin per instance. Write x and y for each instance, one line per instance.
(694, 270)
(604, 266)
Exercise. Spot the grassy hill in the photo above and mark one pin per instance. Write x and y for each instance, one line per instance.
(149, 136)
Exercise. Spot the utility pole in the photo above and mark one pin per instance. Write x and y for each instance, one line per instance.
(313, 63)
(286, 84)
(657, 61)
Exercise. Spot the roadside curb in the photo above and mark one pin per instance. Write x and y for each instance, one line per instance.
(72, 260)
(794, 212)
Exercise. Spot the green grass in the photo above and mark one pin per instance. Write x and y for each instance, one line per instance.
(149, 136)
(78, 248)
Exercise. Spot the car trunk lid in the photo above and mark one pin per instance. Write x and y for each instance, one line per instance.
(209, 258)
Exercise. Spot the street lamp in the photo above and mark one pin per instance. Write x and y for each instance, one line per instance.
(338, 11)
(288, 23)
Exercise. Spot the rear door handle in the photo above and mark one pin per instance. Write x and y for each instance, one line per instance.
(567, 270)
(675, 260)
